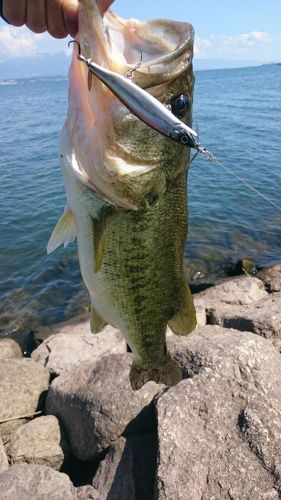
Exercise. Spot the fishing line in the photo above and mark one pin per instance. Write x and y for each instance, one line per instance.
(249, 186)
(208, 156)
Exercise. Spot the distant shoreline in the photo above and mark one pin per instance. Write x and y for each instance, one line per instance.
(56, 65)
(13, 79)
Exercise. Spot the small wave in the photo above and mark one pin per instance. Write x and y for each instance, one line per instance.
(8, 82)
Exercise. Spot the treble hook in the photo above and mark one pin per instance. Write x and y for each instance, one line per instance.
(131, 72)
(81, 56)
(79, 46)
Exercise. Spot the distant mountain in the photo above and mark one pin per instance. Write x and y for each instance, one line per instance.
(201, 64)
(39, 65)
(57, 65)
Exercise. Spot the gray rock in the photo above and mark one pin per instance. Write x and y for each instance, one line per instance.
(74, 344)
(96, 404)
(4, 464)
(271, 278)
(38, 442)
(9, 349)
(114, 478)
(238, 291)
(23, 385)
(36, 482)
(88, 493)
(219, 430)
(262, 317)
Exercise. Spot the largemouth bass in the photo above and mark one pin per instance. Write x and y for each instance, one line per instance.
(126, 186)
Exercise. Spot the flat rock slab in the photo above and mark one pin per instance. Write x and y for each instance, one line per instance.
(262, 317)
(23, 386)
(36, 482)
(219, 431)
(96, 404)
(9, 349)
(38, 442)
(271, 278)
(74, 344)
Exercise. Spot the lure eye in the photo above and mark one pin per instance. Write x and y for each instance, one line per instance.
(180, 105)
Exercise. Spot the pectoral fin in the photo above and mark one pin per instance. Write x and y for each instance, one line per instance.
(184, 321)
(64, 232)
(99, 227)
(97, 323)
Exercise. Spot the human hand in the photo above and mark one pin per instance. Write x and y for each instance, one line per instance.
(58, 17)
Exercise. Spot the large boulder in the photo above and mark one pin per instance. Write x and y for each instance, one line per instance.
(73, 344)
(38, 442)
(36, 482)
(219, 429)
(96, 404)
(23, 386)
(9, 349)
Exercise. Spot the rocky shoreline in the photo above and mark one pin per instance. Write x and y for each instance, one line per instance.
(72, 428)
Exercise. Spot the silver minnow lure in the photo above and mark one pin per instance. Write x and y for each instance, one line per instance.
(142, 104)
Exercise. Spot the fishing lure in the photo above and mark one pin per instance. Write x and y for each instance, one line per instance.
(152, 112)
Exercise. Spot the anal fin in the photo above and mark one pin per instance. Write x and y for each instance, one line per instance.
(184, 321)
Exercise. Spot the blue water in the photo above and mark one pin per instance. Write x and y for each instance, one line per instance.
(238, 115)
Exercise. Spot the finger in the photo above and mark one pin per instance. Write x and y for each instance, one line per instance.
(14, 11)
(55, 18)
(104, 5)
(70, 12)
(36, 16)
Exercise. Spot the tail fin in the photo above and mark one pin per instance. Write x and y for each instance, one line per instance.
(168, 373)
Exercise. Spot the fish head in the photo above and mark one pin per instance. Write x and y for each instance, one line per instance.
(112, 152)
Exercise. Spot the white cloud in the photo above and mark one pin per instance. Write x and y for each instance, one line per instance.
(21, 42)
(201, 44)
(246, 45)
(16, 42)
(248, 39)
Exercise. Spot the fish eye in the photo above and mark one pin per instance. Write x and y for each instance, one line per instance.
(180, 105)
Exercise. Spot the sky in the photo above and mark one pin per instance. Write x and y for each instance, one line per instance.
(228, 29)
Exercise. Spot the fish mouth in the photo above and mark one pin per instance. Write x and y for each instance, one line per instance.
(107, 142)
(155, 51)
(151, 52)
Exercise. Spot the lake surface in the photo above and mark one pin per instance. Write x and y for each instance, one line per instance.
(238, 115)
